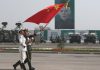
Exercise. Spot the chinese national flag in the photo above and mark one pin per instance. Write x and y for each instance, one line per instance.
(45, 15)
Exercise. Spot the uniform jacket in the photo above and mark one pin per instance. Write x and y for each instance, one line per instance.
(22, 41)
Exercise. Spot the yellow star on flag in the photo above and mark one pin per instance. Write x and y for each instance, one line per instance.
(56, 7)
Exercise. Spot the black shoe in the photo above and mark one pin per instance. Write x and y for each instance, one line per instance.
(23, 66)
(32, 68)
(14, 67)
(16, 64)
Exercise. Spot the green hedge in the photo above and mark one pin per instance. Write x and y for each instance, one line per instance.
(55, 49)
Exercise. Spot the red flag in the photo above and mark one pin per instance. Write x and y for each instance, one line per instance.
(45, 15)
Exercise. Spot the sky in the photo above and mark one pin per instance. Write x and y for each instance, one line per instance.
(87, 13)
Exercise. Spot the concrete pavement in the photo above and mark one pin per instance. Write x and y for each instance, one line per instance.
(50, 61)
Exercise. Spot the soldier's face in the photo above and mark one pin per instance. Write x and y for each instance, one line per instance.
(23, 33)
(65, 13)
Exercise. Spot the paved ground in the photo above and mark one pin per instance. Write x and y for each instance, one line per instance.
(44, 61)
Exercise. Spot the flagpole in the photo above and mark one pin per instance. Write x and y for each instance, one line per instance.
(42, 31)
(45, 26)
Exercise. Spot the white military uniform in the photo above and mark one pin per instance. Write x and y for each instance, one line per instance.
(22, 47)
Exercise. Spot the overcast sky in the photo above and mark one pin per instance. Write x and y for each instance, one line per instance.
(87, 13)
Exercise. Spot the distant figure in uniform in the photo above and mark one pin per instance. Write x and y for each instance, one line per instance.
(37, 37)
(64, 19)
(22, 50)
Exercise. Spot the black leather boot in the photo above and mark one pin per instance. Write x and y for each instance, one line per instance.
(16, 64)
(23, 66)
(32, 68)
(29, 64)
(14, 67)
